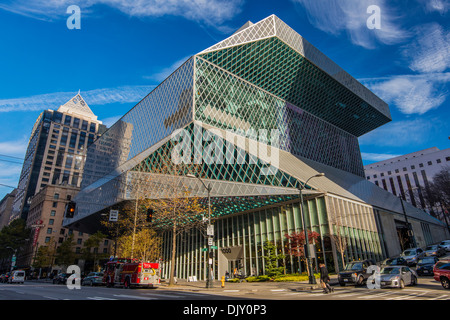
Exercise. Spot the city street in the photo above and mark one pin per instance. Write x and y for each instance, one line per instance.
(427, 289)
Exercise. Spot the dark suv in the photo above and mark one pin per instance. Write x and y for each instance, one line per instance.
(355, 273)
(441, 272)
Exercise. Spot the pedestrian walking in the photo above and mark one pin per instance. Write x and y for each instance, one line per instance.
(325, 279)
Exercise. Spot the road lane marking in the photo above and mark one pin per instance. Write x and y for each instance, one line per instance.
(134, 297)
(407, 297)
(440, 297)
(100, 298)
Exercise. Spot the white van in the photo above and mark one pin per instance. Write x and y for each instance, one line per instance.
(17, 276)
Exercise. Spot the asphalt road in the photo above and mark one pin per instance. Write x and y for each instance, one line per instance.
(427, 289)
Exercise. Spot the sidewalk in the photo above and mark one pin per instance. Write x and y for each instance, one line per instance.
(247, 286)
(241, 287)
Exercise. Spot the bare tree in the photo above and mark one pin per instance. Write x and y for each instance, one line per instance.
(178, 212)
(337, 233)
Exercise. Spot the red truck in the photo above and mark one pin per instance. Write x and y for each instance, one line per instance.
(441, 272)
(128, 273)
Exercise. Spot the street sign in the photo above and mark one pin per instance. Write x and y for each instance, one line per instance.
(205, 249)
(113, 215)
(210, 230)
(213, 247)
(210, 241)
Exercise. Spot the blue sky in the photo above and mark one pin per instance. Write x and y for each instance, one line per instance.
(126, 48)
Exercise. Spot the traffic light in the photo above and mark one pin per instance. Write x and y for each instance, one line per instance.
(150, 215)
(70, 209)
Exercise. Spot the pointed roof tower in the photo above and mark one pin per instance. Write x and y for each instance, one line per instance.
(77, 106)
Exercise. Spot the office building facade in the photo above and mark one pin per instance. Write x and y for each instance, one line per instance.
(56, 150)
(254, 117)
(408, 177)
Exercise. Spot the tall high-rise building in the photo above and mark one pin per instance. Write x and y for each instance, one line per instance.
(56, 151)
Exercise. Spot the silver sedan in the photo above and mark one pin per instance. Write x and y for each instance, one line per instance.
(397, 277)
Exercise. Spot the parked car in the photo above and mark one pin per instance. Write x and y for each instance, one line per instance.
(425, 266)
(355, 273)
(61, 278)
(441, 272)
(446, 245)
(434, 250)
(93, 279)
(17, 276)
(394, 262)
(397, 277)
(4, 277)
(412, 255)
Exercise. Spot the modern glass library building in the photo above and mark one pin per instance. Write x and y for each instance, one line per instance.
(263, 120)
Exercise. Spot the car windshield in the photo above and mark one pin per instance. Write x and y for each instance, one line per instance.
(390, 271)
(409, 252)
(354, 266)
(389, 262)
(445, 243)
(426, 261)
(431, 248)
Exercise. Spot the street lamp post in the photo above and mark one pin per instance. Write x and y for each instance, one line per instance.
(312, 279)
(209, 283)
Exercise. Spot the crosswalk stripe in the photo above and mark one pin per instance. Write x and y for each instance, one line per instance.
(440, 297)
(134, 297)
(100, 298)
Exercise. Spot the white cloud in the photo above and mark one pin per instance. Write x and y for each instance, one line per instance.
(430, 50)
(411, 94)
(377, 156)
(211, 12)
(336, 16)
(125, 94)
(441, 6)
(15, 148)
(164, 73)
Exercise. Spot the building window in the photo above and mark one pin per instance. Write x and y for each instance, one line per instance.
(79, 241)
(389, 172)
(413, 167)
(55, 204)
(49, 230)
(421, 165)
(53, 213)
(430, 163)
(56, 196)
(47, 239)
(51, 222)
(438, 161)
(404, 169)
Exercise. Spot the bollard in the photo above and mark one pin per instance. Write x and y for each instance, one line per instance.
(223, 281)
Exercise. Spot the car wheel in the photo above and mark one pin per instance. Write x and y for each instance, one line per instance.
(402, 284)
(445, 283)
(126, 284)
(360, 281)
(342, 284)
(414, 281)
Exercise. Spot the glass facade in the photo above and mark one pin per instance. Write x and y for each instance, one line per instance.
(265, 78)
(250, 229)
